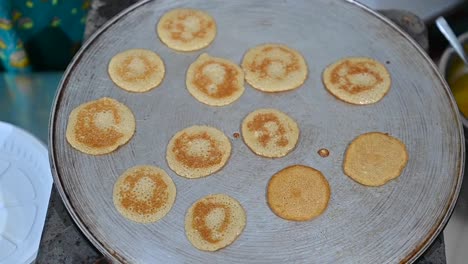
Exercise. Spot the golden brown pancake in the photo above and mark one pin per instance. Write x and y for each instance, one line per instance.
(215, 81)
(214, 222)
(144, 194)
(198, 151)
(100, 126)
(274, 68)
(375, 158)
(357, 80)
(186, 29)
(136, 70)
(270, 133)
(298, 193)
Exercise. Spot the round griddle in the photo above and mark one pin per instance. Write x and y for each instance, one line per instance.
(392, 223)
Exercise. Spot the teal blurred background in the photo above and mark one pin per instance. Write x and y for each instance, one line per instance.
(38, 39)
(25, 100)
(40, 35)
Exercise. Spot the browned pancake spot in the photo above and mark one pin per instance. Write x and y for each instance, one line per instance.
(151, 204)
(262, 67)
(88, 133)
(355, 68)
(225, 89)
(128, 75)
(201, 211)
(181, 148)
(177, 28)
(258, 124)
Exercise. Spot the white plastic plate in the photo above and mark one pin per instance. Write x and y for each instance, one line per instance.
(25, 185)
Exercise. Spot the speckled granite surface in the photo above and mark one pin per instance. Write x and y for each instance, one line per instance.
(62, 242)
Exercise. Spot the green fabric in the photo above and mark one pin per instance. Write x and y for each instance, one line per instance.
(40, 34)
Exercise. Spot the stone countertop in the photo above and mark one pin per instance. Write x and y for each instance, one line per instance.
(62, 241)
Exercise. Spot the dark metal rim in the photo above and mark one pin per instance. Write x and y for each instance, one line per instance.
(115, 257)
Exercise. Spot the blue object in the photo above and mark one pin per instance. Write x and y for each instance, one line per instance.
(24, 20)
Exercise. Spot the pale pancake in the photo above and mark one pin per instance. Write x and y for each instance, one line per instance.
(100, 126)
(186, 29)
(375, 158)
(215, 81)
(357, 80)
(198, 151)
(144, 194)
(214, 222)
(136, 70)
(298, 193)
(274, 68)
(270, 133)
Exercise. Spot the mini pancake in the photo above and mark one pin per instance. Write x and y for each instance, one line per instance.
(214, 222)
(136, 70)
(186, 29)
(375, 158)
(274, 68)
(198, 151)
(357, 80)
(270, 133)
(100, 126)
(298, 193)
(144, 194)
(215, 81)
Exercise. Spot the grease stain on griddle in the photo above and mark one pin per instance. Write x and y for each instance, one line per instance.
(323, 152)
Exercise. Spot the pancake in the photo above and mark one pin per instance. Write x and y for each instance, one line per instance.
(357, 80)
(274, 68)
(214, 222)
(198, 151)
(136, 70)
(270, 133)
(100, 127)
(215, 81)
(375, 158)
(186, 29)
(298, 193)
(144, 194)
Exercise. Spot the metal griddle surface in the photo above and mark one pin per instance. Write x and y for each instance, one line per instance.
(392, 223)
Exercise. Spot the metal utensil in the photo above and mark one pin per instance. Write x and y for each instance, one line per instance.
(390, 224)
(447, 31)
